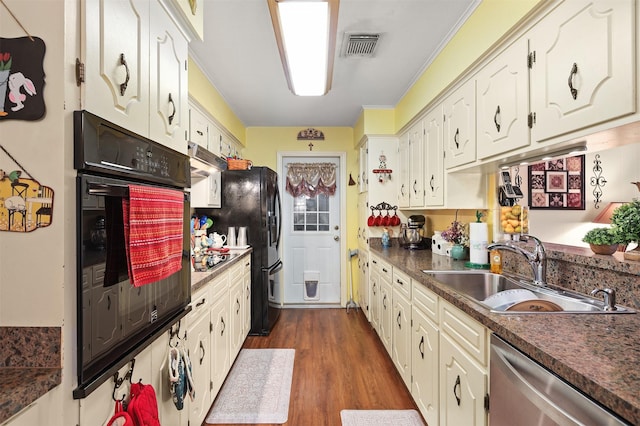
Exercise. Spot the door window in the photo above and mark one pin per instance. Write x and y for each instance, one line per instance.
(311, 214)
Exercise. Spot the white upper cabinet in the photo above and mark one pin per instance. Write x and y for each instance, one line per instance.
(191, 13)
(135, 69)
(416, 163)
(583, 72)
(168, 109)
(503, 102)
(116, 57)
(403, 172)
(198, 127)
(460, 126)
(434, 158)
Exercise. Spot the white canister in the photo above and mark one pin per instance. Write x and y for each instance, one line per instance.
(242, 236)
(231, 236)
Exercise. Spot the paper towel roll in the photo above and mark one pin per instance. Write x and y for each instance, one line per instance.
(478, 240)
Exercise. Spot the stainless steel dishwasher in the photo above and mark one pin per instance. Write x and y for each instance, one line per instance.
(524, 393)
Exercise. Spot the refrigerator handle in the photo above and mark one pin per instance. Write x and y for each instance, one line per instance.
(278, 212)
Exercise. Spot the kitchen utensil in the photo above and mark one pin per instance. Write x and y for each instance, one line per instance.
(231, 236)
(378, 220)
(203, 221)
(209, 223)
(242, 236)
(385, 219)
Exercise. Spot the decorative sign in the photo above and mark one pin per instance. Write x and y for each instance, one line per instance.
(25, 204)
(557, 184)
(310, 135)
(21, 78)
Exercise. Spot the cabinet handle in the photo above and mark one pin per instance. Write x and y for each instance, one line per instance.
(237, 303)
(398, 321)
(385, 270)
(421, 347)
(497, 117)
(431, 183)
(399, 281)
(202, 302)
(173, 114)
(456, 138)
(224, 326)
(200, 132)
(202, 348)
(574, 71)
(373, 289)
(123, 86)
(456, 390)
(108, 302)
(415, 182)
(402, 190)
(384, 302)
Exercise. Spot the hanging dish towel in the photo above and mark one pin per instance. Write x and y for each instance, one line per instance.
(153, 233)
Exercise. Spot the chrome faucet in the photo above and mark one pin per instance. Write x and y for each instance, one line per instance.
(609, 298)
(537, 258)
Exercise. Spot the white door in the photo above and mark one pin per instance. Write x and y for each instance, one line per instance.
(311, 236)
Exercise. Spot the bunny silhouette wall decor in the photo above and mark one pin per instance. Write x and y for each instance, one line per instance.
(21, 78)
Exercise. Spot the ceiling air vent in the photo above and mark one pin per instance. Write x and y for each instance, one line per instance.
(359, 45)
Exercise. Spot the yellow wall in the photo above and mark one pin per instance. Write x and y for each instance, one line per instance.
(486, 26)
(201, 89)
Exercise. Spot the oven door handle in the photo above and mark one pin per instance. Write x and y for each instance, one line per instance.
(107, 190)
(273, 268)
(111, 190)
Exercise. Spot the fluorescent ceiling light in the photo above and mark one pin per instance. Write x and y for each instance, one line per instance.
(306, 35)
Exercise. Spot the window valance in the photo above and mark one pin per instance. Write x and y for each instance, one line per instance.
(311, 179)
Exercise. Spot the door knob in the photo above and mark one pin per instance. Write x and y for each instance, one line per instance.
(336, 238)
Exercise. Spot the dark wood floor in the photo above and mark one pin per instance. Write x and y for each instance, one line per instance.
(340, 363)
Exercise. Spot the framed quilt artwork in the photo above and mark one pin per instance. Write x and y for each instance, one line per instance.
(557, 184)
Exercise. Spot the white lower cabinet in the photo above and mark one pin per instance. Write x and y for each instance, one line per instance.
(236, 290)
(425, 349)
(198, 344)
(463, 386)
(401, 344)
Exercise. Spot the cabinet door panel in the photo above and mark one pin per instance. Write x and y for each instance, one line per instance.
(168, 111)
(434, 158)
(401, 336)
(584, 66)
(198, 341)
(116, 33)
(460, 126)
(503, 102)
(220, 361)
(416, 165)
(464, 386)
(404, 179)
(425, 348)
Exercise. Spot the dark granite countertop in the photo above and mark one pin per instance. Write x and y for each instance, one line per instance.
(30, 366)
(199, 279)
(598, 354)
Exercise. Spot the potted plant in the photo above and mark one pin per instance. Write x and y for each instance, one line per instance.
(626, 220)
(602, 240)
(457, 234)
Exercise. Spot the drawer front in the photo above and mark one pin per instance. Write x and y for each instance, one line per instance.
(385, 270)
(201, 301)
(402, 283)
(468, 333)
(425, 300)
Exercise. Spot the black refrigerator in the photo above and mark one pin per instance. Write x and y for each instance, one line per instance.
(250, 198)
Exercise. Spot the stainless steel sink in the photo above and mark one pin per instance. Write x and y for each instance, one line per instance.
(478, 286)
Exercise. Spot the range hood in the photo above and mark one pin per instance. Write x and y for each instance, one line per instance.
(202, 161)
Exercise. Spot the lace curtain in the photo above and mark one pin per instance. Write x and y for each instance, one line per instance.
(311, 179)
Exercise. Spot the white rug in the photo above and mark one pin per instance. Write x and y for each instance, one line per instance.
(381, 418)
(257, 389)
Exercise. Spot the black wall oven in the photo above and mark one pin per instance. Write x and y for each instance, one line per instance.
(115, 319)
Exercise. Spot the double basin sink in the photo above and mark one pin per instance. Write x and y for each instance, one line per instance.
(506, 295)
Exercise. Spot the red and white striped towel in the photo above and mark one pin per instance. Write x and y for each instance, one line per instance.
(153, 232)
